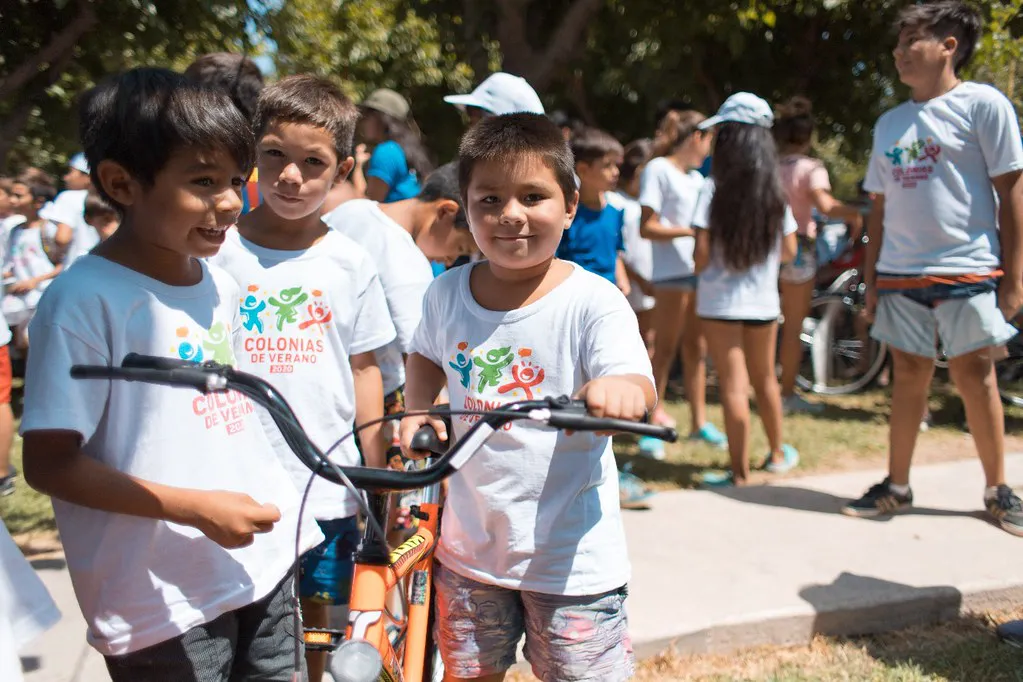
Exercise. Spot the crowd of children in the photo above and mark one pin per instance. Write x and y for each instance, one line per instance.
(206, 222)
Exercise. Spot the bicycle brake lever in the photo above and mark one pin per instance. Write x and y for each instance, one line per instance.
(565, 404)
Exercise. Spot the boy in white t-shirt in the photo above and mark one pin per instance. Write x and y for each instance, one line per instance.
(73, 238)
(178, 521)
(945, 260)
(31, 260)
(313, 315)
(532, 531)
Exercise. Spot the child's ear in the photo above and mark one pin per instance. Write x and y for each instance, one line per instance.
(446, 208)
(951, 44)
(344, 169)
(571, 204)
(117, 182)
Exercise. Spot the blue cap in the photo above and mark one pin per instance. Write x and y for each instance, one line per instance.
(742, 107)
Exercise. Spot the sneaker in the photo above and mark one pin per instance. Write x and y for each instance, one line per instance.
(718, 479)
(789, 462)
(1005, 507)
(796, 403)
(1011, 633)
(651, 447)
(632, 494)
(878, 501)
(709, 434)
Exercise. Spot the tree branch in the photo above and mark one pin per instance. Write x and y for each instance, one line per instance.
(564, 41)
(62, 43)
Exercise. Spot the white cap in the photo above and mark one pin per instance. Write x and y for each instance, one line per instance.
(742, 107)
(79, 163)
(501, 93)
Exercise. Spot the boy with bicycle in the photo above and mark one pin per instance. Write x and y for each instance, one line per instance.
(178, 522)
(944, 259)
(313, 315)
(532, 540)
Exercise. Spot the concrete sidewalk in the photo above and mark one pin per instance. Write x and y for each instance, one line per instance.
(716, 571)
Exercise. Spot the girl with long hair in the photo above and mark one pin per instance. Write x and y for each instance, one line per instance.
(744, 230)
(669, 187)
(399, 159)
(807, 187)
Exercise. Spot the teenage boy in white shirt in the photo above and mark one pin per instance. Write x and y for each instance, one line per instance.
(313, 316)
(532, 527)
(945, 259)
(178, 520)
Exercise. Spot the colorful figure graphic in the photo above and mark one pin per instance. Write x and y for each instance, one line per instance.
(462, 365)
(895, 155)
(286, 307)
(186, 351)
(219, 342)
(250, 311)
(490, 369)
(914, 150)
(319, 315)
(931, 151)
(524, 376)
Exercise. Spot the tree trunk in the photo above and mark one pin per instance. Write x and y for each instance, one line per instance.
(11, 127)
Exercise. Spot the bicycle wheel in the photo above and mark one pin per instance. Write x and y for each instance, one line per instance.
(840, 356)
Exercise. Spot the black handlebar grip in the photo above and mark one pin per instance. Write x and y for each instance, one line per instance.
(139, 361)
(427, 440)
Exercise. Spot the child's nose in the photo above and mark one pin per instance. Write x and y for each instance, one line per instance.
(291, 173)
(229, 202)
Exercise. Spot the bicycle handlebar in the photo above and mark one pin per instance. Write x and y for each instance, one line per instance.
(210, 377)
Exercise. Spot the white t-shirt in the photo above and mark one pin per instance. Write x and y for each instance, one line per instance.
(303, 315)
(26, 609)
(140, 581)
(69, 208)
(933, 162)
(638, 251)
(535, 509)
(672, 195)
(25, 259)
(726, 294)
(404, 271)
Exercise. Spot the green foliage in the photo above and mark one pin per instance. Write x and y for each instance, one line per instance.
(999, 57)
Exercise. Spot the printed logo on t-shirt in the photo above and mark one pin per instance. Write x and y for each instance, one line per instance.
(496, 376)
(227, 410)
(914, 162)
(284, 328)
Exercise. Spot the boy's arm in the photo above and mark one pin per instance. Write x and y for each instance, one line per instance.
(636, 279)
(423, 383)
(369, 406)
(622, 275)
(55, 465)
(875, 233)
(31, 283)
(1010, 225)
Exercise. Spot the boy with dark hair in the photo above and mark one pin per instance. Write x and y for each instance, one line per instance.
(100, 216)
(313, 315)
(944, 259)
(595, 241)
(241, 79)
(73, 237)
(402, 238)
(166, 501)
(521, 324)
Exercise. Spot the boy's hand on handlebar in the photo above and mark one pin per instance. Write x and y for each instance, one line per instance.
(232, 519)
(614, 398)
(408, 428)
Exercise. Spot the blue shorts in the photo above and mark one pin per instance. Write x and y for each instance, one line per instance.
(327, 568)
(963, 325)
(568, 638)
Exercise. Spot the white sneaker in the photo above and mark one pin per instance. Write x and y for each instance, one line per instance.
(795, 403)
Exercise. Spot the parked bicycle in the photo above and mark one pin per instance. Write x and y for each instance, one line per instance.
(377, 644)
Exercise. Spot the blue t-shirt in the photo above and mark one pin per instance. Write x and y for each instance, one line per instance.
(594, 240)
(388, 163)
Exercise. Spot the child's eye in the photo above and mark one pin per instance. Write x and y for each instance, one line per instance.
(237, 182)
(203, 182)
(490, 200)
(534, 198)
(313, 161)
(273, 152)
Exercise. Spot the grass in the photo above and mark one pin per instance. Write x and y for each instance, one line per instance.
(26, 511)
(961, 650)
(851, 433)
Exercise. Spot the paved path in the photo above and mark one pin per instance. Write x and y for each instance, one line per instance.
(714, 571)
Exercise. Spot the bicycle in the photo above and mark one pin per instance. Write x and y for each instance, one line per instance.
(376, 644)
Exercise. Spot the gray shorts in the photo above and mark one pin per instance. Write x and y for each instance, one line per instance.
(255, 642)
(568, 638)
(963, 325)
(685, 283)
